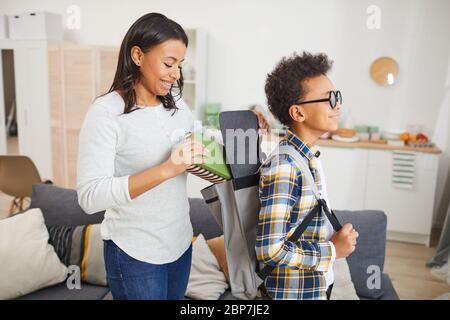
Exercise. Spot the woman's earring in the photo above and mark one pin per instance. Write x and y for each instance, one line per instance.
(138, 64)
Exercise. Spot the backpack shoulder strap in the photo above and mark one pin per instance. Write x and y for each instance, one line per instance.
(304, 167)
(301, 162)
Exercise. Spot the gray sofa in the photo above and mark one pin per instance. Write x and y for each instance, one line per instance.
(60, 207)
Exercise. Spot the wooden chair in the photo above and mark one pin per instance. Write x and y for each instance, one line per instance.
(17, 175)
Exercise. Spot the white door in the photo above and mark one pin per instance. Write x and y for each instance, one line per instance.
(32, 95)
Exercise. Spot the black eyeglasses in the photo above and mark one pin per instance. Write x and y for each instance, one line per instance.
(334, 98)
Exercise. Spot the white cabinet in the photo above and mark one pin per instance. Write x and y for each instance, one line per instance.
(409, 210)
(32, 100)
(362, 179)
(345, 175)
(32, 105)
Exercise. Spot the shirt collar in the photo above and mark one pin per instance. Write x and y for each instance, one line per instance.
(306, 150)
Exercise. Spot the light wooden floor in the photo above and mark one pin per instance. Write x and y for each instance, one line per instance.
(405, 264)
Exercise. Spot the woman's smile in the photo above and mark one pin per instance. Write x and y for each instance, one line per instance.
(166, 84)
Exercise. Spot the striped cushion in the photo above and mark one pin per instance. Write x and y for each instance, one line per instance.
(81, 246)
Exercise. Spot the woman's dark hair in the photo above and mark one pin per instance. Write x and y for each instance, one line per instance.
(284, 86)
(148, 31)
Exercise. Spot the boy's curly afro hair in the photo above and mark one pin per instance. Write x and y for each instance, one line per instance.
(284, 86)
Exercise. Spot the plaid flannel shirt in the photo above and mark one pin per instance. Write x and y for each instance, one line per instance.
(285, 202)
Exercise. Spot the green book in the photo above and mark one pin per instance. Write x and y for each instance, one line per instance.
(216, 168)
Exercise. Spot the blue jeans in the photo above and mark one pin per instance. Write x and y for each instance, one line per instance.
(131, 279)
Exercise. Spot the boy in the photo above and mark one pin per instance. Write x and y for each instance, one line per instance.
(300, 96)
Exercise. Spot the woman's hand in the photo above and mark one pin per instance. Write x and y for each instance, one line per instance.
(185, 155)
(264, 126)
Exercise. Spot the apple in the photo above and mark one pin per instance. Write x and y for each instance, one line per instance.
(422, 137)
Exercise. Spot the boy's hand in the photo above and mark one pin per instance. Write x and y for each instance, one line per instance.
(345, 241)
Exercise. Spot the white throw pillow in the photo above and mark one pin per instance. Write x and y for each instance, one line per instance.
(28, 261)
(206, 281)
(343, 288)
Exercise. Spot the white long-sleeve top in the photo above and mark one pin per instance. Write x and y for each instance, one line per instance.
(154, 227)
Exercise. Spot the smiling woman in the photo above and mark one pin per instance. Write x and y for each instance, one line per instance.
(132, 165)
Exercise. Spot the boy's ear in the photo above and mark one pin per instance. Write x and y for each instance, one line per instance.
(297, 113)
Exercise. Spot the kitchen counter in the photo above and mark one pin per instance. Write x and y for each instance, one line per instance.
(378, 146)
(362, 145)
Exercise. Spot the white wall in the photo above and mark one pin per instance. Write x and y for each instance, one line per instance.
(248, 37)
